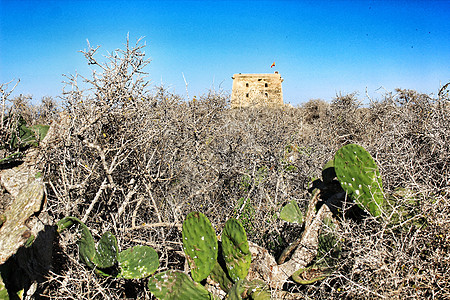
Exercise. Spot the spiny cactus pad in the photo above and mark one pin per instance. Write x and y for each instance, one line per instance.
(235, 250)
(310, 275)
(104, 257)
(87, 246)
(243, 289)
(256, 290)
(106, 254)
(199, 245)
(66, 223)
(138, 262)
(358, 175)
(175, 285)
(292, 213)
(218, 274)
(86, 243)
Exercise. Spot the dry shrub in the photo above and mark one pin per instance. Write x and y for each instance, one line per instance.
(315, 109)
(136, 161)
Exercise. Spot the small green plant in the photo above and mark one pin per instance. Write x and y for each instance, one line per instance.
(133, 263)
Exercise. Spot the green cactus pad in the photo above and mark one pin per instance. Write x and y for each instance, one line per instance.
(292, 213)
(199, 245)
(138, 262)
(40, 130)
(86, 246)
(66, 223)
(358, 175)
(235, 291)
(310, 275)
(86, 243)
(235, 250)
(256, 290)
(243, 289)
(175, 285)
(218, 274)
(106, 254)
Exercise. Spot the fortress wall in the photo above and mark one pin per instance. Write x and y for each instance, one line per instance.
(256, 90)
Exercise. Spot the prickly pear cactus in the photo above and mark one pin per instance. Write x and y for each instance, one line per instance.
(244, 289)
(218, 274)
(106, 254)
(311, 274)
(199, 245)
(175, 285)
(86, 242)
(235, 250)
(359, 177)
(138, 262)
(86, 246)
(292, 213)
(256, 290)
(66, 222)
(236, 291)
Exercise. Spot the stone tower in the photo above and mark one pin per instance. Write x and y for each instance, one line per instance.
(256, 90)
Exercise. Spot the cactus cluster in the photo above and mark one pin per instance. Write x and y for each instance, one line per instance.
(202, 251)
(228, 262)
(133, 263)
(358, 176)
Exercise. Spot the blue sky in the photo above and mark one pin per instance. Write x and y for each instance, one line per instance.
(320, 47)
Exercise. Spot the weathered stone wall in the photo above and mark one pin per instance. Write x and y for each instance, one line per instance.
(257, 90)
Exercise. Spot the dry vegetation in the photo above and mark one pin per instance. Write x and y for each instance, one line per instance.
(136, 161)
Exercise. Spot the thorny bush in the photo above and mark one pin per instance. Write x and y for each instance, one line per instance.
(135, 161)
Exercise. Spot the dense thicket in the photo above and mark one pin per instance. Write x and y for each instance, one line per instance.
(136, 161)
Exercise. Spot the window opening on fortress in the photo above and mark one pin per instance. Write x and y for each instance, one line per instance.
(246, 95)
(266, 84)
(267, 95)
(246, 85)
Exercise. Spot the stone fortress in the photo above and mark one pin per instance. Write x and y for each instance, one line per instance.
(257, 90)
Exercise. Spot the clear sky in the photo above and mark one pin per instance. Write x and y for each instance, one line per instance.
(319, 47)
